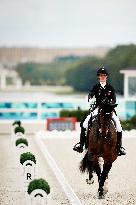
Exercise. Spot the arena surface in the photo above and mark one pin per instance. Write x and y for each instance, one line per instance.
(122, 177)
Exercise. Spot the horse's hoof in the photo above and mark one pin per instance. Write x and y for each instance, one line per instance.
(101, 197)
(88, 181)
(101, 194)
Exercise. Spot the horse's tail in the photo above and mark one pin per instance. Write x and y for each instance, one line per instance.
(84, 164)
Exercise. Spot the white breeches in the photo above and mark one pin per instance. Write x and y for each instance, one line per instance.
(114, 117)
(85, 123)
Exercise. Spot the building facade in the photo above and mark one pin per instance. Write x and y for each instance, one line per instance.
(45, 55)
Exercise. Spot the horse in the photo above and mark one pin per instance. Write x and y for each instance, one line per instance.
(102, 140)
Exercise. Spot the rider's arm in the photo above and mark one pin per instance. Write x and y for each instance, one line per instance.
(113, 95)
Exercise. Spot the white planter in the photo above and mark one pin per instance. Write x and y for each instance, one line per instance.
(28, 173)
(40, 197)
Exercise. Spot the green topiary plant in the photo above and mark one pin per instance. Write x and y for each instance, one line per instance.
(19, 129)
(27, 156)
(21, 141)
(38, 184)
(126, 125)
(129, 124)
(133, 122)
(17, 123)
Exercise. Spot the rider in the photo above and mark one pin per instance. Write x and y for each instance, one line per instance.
(100, 91)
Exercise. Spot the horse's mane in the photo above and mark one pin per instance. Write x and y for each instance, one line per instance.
(107, 106)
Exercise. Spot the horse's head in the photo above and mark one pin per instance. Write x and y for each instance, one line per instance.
(105, 114)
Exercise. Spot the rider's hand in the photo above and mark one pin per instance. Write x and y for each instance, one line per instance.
(92, 100)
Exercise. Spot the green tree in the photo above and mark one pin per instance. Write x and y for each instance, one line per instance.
(121, 57)
(83, 74)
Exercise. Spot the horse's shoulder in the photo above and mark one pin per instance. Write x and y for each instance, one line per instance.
(95, 123)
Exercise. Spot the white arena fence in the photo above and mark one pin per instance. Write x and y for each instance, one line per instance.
(37, 109)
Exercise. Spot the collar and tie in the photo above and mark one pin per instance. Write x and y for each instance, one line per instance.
(103, 84)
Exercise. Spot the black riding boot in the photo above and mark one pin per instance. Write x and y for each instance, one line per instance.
(120, 149)
(79, 146)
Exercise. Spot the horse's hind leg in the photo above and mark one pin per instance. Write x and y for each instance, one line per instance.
(90, 169)
(97, 169)
(104, 175)
(91, 179)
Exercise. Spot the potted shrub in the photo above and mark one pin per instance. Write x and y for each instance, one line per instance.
(38, 184)
(126, 125)
(21, 141)
(19, 129)
(17, 123)
(27, 156)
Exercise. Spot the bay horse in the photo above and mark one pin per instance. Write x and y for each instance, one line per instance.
(102, 140)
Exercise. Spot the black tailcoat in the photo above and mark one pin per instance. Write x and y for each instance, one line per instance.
(101, 92)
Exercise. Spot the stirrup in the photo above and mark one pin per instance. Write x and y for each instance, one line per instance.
(121, 151)
(78, 148)
(77, 144)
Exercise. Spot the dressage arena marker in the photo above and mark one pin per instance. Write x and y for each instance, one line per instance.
(28, 172)
(39, 197)
(74, 200)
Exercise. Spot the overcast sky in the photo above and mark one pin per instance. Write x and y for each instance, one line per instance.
(67, 23)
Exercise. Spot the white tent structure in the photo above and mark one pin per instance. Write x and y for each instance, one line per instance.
(129, 84)
(8, 73)
(130, 91)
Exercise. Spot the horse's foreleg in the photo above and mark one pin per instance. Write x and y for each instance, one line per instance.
(97, 169)
(101, 162)
(105, 187)
(104, 175)
(90, 169)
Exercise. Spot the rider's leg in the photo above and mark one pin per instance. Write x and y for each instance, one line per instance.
(82, 139)
(84, 126)
(92, 114)
(120, 149)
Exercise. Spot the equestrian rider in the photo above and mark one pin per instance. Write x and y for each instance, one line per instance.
(100, 91)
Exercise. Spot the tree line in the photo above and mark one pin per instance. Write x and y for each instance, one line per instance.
(80, 73)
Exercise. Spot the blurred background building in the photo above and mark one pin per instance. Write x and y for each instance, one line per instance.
(45, 55)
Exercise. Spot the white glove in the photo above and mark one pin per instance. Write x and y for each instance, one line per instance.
(92, 100)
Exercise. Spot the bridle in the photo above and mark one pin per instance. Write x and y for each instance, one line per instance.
(104, 120)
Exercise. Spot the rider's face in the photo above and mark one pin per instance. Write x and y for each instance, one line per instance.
(102, 77)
